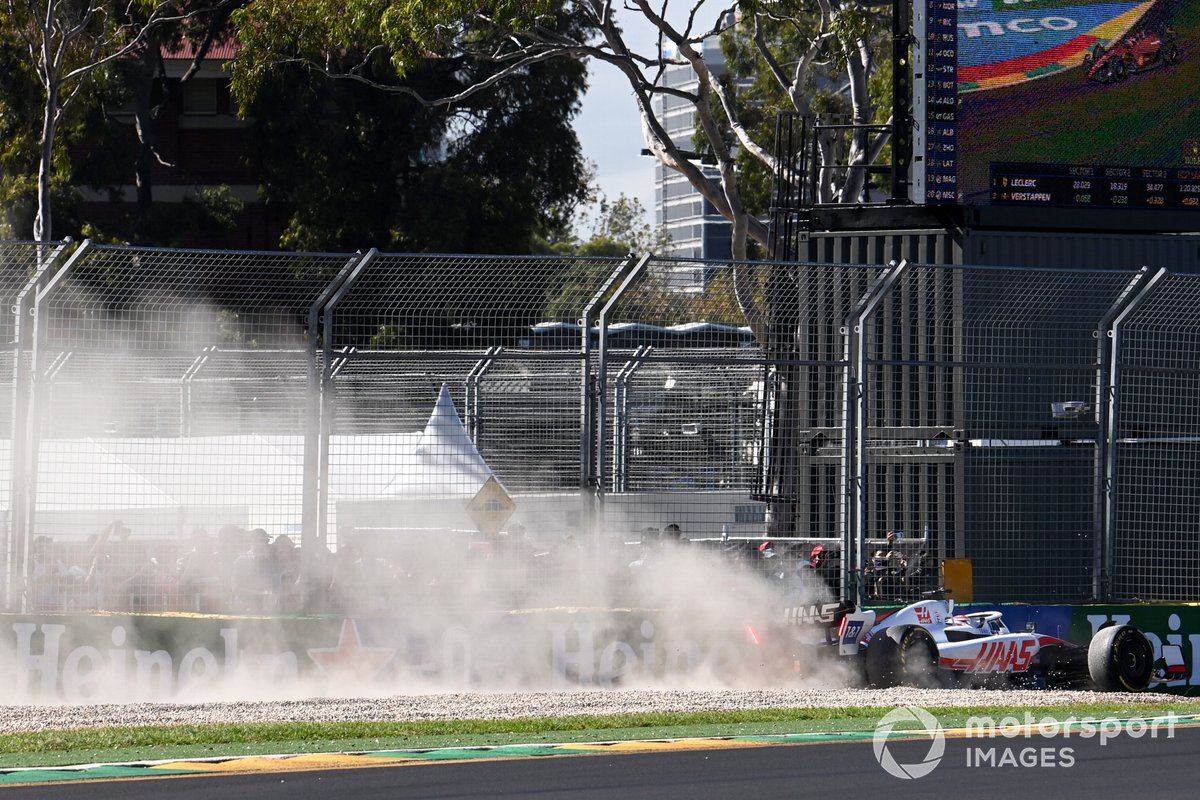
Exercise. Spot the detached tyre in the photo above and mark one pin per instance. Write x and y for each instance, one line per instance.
(882, 661)
(917, 657)
(1120, 659)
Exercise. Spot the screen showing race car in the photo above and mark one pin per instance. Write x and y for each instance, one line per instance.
(1057, 103)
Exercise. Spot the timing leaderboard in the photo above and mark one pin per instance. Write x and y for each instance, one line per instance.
(1097, 186)
(935, 102)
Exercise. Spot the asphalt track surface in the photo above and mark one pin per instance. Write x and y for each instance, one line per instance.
(1164, 766)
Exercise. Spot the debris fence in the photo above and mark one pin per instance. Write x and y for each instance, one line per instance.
(268, 432)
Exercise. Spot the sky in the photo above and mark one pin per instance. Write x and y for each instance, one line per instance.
(610, 132)
(610, 129)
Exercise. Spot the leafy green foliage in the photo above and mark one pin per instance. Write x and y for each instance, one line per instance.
(411, 31)
(67, 45)
(622, 229)
(19, 115)
(83, 152)
(500, 172)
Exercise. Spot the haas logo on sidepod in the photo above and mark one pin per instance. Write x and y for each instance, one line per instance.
(1010, 656)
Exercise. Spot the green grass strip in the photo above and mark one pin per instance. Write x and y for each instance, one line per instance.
(114, 745)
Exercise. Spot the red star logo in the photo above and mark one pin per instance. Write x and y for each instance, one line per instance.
(350, 660)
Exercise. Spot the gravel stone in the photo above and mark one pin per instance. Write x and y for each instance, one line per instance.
(516, 705)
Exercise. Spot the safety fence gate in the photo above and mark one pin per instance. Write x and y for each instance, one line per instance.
(268, 432)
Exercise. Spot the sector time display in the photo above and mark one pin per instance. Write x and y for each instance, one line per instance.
(1058, 103)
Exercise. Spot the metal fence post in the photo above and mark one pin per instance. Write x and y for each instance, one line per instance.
(851, 391)
(589, 449)
(854, 434)
(471, 390)
(1104, 335)
(24, 519)
(185, 390)
(1109, 424)
(21, 403)
(602, 368)
(620, 480)
(316, 422)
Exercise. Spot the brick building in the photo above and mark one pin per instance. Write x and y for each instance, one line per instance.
(203, 143)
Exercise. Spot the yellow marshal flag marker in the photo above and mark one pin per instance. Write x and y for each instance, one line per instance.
(491, 507)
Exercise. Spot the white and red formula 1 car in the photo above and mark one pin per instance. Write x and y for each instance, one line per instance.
(928, 644)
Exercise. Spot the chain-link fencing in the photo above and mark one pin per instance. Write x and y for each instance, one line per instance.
(277, 432)
(24, 268)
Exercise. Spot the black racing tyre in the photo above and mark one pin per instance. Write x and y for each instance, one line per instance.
(1120, 659)
(1119, 70)
(917, 658)
(882, 661)
(1171, 53)
(856, 676)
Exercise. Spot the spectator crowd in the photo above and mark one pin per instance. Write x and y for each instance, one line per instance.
(249, 572)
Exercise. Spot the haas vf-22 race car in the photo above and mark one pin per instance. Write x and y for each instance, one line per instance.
(928, 644)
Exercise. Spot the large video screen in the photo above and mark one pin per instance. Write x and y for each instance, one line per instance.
(1057, 103)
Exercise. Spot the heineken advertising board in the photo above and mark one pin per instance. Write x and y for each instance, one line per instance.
(126, 658)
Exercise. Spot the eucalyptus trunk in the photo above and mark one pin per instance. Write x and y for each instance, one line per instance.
(43, 228)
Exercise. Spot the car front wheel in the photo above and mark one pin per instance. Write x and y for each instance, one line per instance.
(1120, 659)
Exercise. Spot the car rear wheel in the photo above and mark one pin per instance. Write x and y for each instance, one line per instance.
(1171, 54)
(1120, 659)
(1119, 70)
(918, 659)
(882, 661)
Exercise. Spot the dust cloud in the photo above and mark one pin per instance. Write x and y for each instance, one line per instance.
(165, 560)
(455, 612)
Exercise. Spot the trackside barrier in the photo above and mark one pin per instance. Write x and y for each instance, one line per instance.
(76, 658)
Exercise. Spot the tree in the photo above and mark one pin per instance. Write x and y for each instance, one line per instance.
(751, 54)
(622, 229)
(508, 155)
(81, 131)
(792, 41)
(18, 137)
(340, 162)
(152, 93)
(67, 42)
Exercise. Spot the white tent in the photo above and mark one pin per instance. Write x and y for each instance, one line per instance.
(444, 460)
(259, 479)
(434, 475)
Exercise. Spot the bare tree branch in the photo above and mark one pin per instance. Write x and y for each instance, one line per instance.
(59, 33)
